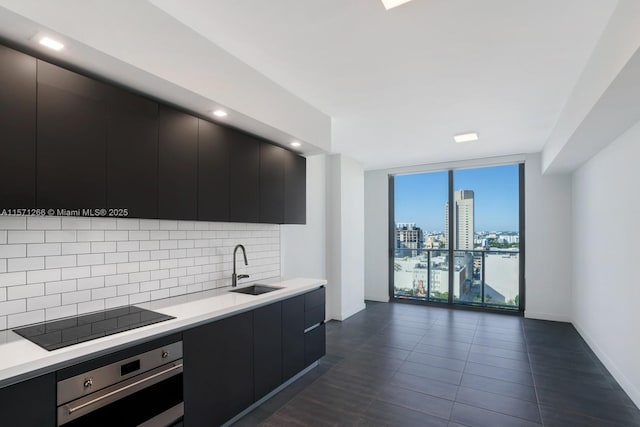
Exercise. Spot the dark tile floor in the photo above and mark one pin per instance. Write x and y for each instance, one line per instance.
(408, 365)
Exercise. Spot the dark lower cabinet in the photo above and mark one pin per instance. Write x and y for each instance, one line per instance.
(314, 344)
(132, 154)
(213, 171)
(267, 349)
(177, 164)
(17, 130)
(295, 189)
(292, 336)
(218, 370)
(272, 168)
(244, 179)
(31, 403)
(71, 140)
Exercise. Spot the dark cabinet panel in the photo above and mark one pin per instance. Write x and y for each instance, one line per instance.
(314, 316)
(244, 179)
(295, 189)
(272, 169)
(132, 154)
(314, 344)
(314, 299)
(178, 164)
(71, 140)
(31, 403)
(218, 370)
(213, 171)
(267, 347)
(17, 130)
(292, 337)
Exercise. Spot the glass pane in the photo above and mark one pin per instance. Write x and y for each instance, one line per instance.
(420, 236)
(485, 237)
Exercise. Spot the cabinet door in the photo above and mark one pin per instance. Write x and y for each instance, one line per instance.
(71, 140)
(31, 403)
(295, 189)
(314, 344)
(132, 154)
(17, 130)
(244, 179)
(292, 337)
(178, 165)
(272, 168)
(213, 171)
(218, 370)
(267, 347)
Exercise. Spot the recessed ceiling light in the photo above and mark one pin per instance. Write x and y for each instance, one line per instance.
(390, 4)
(295, 144)
(50, 43)
(466, 137)
(220, 113)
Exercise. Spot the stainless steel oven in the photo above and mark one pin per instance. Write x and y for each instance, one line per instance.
(144, 390)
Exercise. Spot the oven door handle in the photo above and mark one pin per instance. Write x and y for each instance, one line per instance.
(112, 394)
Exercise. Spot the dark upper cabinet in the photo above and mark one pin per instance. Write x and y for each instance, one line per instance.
(292, 336)
(132, 154)
(218, 370)
(71, 140)
(244, 179)
(272, 170)
(213, 171)
(295, 189)
(17, 130)
(29, 403)
(177, 164)
(267, 349)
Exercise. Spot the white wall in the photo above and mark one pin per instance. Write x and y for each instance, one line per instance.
(303, 247)
(376, 238)
(345, 237)
(547, 242)
(606, 234)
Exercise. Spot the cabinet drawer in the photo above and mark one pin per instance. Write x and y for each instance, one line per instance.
(314, 345)
(314, 316)
(314, 298)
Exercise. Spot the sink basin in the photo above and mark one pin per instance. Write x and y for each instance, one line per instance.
(256, 290)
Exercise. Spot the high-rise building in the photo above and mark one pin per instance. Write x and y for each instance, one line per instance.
(463, 225)
(409, 236)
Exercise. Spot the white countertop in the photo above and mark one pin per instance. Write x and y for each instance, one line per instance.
(21, 359)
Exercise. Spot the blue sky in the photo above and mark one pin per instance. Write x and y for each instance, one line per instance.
(421, 198)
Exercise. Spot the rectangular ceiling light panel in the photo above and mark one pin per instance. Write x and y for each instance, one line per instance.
(389, 4)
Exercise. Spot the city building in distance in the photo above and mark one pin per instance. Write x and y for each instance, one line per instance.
(463, 221)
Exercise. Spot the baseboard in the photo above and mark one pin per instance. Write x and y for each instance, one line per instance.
(378, 298)
(546, 316)
(345, 315)
(611, 366)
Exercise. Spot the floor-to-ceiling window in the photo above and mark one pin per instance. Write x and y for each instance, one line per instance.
(456, 237)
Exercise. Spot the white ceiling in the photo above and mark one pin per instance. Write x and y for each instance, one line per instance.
(399, 84)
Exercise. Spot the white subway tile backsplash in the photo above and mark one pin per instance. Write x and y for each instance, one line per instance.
(43, 223)
(90, 259)
(25, 291)
(3, 322)
(25, 264)
(26, 318)
(13, 222)
(60, 287)
(65, 266)
(75, 248)
(61, 261)
(75, 272)
(60, 236)
(90, 236)
(100, 247)
(90, 283)
(38, 303)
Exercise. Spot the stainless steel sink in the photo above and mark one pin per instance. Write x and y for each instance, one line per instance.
(256, 289)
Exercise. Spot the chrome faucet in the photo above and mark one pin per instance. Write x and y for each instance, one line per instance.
(234, 276)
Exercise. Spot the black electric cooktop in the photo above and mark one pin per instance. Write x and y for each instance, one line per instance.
(61, 333)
